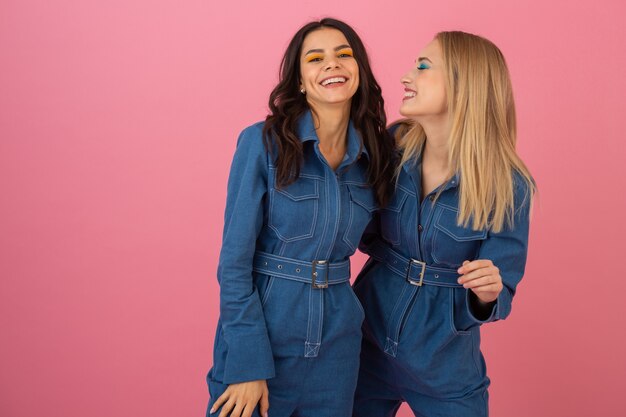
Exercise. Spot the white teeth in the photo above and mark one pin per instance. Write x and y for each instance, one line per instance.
(334, 80)
(409, 94)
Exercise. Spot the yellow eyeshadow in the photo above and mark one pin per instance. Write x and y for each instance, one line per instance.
(345, 52)
(311, 57)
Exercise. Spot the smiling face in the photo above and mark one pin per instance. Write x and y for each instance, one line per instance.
(425, 86)
(329, 74)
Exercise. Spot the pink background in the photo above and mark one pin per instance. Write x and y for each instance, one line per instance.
(118, 120)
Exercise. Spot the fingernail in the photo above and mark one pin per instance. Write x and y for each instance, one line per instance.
(458, 280)
(266, 414)
(212, 410)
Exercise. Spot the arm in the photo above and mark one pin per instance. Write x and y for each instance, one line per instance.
(249, 354)
(491, 280)
(249, 360)
(370, 234)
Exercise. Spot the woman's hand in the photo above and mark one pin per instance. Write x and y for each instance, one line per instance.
(239, 400)
(483, 278)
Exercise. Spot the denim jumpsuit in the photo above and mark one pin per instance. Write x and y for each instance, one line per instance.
(421, 341)
(287, 311)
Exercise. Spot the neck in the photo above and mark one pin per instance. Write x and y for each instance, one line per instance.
(331, 125)
(436, 151)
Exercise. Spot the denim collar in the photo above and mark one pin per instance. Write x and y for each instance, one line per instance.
(355, 147)
(413, 167)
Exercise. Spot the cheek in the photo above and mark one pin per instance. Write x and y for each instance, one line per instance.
(307, 77)
(439, 89)
(357, 81)
(431, 94)
(442, 99)
(356, 78)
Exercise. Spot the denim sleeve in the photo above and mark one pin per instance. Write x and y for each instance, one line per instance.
(249, 354)
(507, 250)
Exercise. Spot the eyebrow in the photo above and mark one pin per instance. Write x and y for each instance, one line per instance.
(423, 58)
(340, 47)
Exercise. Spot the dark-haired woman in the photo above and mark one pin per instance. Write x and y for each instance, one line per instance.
(302, 188)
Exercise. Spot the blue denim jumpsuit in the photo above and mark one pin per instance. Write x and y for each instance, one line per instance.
(421, 332)
(287, 311)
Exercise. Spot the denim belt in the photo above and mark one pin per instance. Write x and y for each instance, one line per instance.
(320, 274)
(415, 272)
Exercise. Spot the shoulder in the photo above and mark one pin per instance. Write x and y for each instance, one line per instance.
(251, 146)
(251, 141)
(523, 184)
(399, 128)
(393, 128)
(524, 189)
(251, 135)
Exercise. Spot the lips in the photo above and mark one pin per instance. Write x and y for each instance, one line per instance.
(330, 81)
(409, 94)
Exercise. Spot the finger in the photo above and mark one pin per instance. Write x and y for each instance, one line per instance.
(478, 273)
(473, 265)
(247, 410)
(238, 409)
(227, 407)
(264, 403)
(473, 275)
(491, 288)
(480, 282)
(221, 400)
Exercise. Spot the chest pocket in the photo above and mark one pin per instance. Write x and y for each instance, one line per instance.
(453, 244)
(294, 209)
(362, 206)
(391, 217)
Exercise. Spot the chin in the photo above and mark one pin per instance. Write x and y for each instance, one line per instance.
(407, 112)
(338, 100)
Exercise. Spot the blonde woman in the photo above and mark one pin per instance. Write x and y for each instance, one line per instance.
(450, 248)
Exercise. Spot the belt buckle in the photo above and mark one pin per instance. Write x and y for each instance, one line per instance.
(408, 272)
(314, 265)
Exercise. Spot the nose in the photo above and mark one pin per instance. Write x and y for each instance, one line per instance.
(332, 63)
(408, 77)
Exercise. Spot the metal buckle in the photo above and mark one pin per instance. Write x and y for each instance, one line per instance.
(408, 272)
(314, 274)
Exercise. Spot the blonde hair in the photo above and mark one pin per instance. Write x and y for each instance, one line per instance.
(482, 132)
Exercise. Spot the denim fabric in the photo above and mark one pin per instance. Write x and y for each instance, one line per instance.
(305, 341)
(427, 339)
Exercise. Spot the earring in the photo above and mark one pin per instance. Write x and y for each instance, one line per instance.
(303, 91)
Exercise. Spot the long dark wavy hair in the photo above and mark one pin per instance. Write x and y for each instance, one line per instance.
(367, 113)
